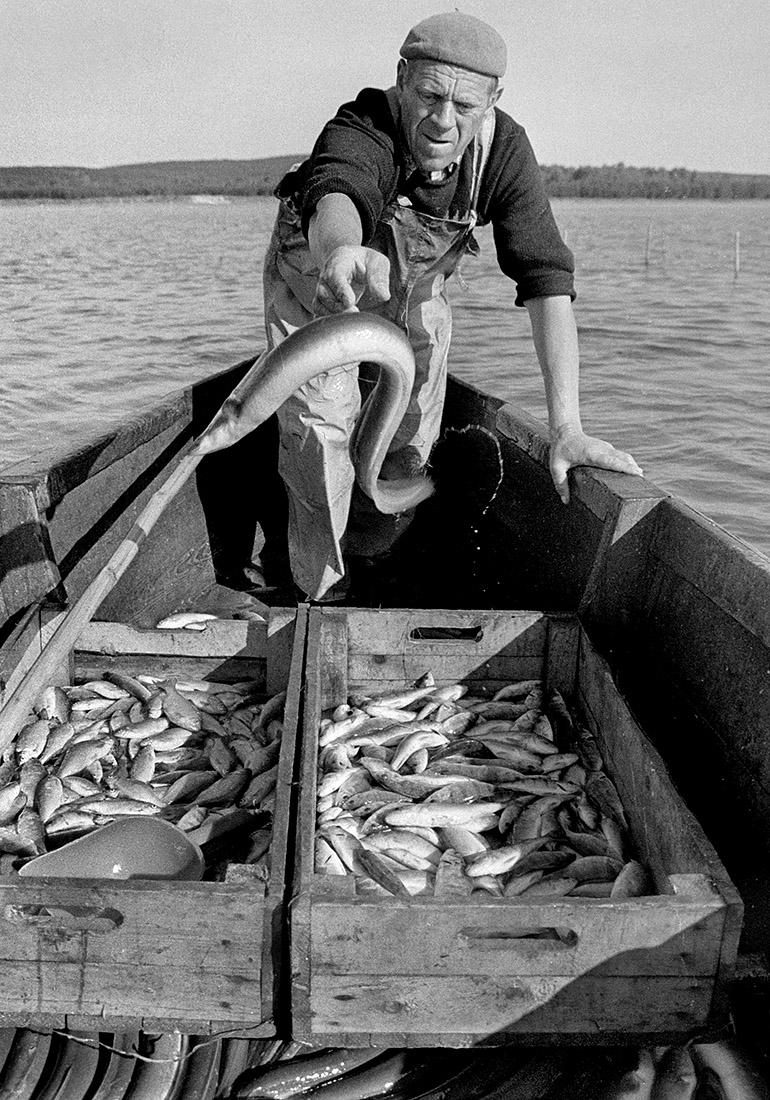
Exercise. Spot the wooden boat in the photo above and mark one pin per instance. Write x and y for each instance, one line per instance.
(677, 608)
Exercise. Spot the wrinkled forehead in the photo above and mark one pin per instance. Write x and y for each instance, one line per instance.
(451, 81)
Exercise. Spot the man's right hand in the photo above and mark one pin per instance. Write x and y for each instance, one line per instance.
(351, 276)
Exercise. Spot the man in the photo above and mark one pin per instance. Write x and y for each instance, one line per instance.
(378, 218)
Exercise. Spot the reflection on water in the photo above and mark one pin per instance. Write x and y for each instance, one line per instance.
(110, 305)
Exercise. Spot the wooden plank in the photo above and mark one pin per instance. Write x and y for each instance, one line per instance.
(61, 515)
(529, 434)
(550, 549)
(671, 837)
(467, 404)
(61, 472)
(330, 657)
(28, 570)
(172, 571)
(398, 1005)
(229, 650)
(612, 605)
(488, 632)
(86, 517)
(301, 981)
(597, 938)
(382, 672)
(187, 949)
(731, 574)
(668, 834)
(286, 642)
(602, 491)
(722, 667)
(24, 646)
(515, 1039)
(228, 670)
(220, 638)
(493, 646)
(326, 642)
(325, 636)
(561, 654)
(285, 630)
(186, 995)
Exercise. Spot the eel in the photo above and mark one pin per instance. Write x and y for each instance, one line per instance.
(321, 345)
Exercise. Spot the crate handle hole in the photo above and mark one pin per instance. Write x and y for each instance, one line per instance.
(75, 918)
(446, 634)
(487, 939)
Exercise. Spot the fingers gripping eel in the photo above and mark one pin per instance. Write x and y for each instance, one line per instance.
(319, 346)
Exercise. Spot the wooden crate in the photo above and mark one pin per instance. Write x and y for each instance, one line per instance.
(196, 957)
(431, 971)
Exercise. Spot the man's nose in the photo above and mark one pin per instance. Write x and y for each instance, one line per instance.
(444, 114)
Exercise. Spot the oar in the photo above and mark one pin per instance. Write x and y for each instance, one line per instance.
(57, 648)
(318, 346)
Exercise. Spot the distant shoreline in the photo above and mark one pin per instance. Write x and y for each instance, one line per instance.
(222, 179)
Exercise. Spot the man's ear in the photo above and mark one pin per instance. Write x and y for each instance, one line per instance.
(495, 96)
(401, 74)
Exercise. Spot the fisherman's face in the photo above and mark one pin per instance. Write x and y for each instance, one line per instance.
(442, 109)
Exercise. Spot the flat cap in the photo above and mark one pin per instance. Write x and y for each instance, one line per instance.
(457, 39)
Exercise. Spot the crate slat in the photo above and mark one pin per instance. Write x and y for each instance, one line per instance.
(402, 1010)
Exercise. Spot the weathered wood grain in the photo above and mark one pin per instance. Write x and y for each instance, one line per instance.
(561, 654)
(169, 949)
(493, 647)
(220, 638)
(437, 1010)
(28, 570)
(450, 937)
(197, 956)
(435, 969)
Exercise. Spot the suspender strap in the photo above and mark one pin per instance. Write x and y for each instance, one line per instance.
(482, 146)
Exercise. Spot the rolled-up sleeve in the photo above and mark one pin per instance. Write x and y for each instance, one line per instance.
(530, 249)
(354, 156)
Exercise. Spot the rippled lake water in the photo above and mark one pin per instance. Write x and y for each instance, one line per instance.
(109, 306)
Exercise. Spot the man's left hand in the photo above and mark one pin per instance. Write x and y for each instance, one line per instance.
(572, 447)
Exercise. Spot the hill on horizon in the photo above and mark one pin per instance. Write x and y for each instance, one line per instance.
(167, 179)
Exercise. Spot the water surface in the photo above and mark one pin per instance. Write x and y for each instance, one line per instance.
(109, 306)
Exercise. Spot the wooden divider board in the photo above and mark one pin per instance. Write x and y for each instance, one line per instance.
(431, 971)
(196, 957)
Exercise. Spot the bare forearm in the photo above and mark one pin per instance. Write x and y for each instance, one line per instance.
(336, 222)
(554, 333)
(349, 274)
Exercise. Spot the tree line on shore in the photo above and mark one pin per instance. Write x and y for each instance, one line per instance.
(260, 177)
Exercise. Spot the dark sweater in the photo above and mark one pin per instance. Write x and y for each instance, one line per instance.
(359, 153)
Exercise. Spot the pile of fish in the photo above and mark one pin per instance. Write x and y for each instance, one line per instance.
(200, 754)
(721, 1070)
(130, 1065)
(432, 790)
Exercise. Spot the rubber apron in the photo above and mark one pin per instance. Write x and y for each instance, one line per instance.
(316, 423)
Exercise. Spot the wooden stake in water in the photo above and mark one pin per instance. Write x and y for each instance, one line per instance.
(737, 253)
(647, 244)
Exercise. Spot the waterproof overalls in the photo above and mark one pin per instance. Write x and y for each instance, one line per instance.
(317, 422)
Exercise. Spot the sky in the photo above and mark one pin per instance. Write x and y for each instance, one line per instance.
(656, 83)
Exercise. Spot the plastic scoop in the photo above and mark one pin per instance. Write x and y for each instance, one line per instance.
(131, 847)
